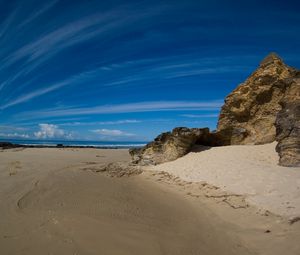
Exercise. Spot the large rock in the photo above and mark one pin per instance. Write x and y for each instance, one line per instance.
(247, 117)
(169, 146)
(249, 113)
(288, 126)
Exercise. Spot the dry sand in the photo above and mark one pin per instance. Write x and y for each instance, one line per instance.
(251, 171)
(52, 204)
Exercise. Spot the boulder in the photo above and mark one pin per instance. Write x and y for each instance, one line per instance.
(169, 146)
(288, 126)
(249, 113)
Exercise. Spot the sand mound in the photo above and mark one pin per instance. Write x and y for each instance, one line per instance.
(249, 170)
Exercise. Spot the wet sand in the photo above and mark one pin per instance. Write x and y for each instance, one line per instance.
(51, 203)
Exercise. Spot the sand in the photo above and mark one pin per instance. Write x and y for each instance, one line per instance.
(53, 202)
(251, 171)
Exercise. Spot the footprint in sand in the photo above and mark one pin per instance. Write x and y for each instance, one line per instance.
(13, 167)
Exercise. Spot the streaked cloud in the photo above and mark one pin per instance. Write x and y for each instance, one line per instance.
(111, 132)
(200, 115)
(95, 123)
(77, 79)
(151, 106)
(132, 61)
(11, 128)
(38, 13)
(15, 135)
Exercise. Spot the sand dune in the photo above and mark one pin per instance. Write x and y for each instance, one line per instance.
(247, 170)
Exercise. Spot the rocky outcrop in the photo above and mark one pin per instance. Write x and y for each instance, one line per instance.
(288, 125)
(249, 113)
(8, 145)
(270, 96)
(169, 146)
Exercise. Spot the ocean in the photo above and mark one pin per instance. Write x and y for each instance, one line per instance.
(97, 144)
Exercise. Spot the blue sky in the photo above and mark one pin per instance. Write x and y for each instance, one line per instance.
(128, 70)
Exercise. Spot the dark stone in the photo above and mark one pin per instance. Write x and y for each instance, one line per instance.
(7, 145)
(288, 134)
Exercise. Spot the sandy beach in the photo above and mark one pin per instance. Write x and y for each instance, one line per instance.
(53, 201)
(149, 127)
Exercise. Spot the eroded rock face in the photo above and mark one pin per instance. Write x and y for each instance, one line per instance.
(249, 113)
(169, 146)
(288, 126)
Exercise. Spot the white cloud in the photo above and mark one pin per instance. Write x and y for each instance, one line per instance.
(111, 132)
(10, 128)
(37, 52)
(150, 106)
(51, 131)
(115, 122)
(39, 92)
(14, 135)
(199, 115)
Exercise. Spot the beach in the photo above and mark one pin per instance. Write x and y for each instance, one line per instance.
(55, 201)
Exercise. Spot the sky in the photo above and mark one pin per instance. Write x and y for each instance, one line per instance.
(129, 70)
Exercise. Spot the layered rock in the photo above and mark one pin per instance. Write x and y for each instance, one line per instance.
(169, 146)
(249, 113)
(288, 125)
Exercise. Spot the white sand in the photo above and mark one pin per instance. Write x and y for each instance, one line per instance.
(250, 170)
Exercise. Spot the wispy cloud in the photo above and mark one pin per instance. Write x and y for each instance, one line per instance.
(152, 106)
(73, 33)
(95, 123)
(203, 70)
(14, 135)
(38, 13)
(111, 132)
(11, 128)
(37, 52)
(199, 115)
(8, 22)
(39, 92)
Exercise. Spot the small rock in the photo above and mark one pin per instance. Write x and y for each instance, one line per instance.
(121, 169)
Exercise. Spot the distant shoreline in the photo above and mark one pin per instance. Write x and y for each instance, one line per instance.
(9, 145)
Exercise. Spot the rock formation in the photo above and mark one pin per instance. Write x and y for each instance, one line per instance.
(288, 125)
(7, 145)
(270, 95)
(169, 146)
(249, 113)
